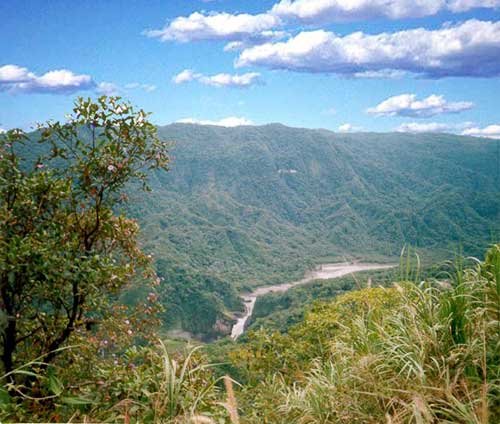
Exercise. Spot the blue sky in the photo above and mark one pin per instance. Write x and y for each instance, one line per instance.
(345, 65)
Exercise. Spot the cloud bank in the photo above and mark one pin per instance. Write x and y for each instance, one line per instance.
(470, 49)
(491, 131)
(429, 127)
(16, 79)
(332, 11)
(244, 28)
(464, 128)
(407, 105)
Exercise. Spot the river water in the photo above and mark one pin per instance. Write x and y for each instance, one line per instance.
(323, 272)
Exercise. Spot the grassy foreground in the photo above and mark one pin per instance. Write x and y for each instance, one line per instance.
(426, 352)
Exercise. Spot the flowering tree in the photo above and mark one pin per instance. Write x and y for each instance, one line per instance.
(64, 250)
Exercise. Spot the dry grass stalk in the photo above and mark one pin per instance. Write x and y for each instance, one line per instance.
(231, 404)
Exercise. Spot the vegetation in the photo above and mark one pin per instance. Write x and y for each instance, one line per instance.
(412, 353)
(230, 215)
(230, 210)
(64, 251)
(81, 302)
(279, 311)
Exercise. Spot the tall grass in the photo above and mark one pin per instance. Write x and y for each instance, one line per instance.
(434, 358)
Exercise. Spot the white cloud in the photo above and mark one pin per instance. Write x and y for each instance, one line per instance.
(231, 121)
(185, 76)
(2, 130)
(218, 26)
(408, 105)
(328, 11)
(219, 80)
(469, 49)
(457, 6)
(347, 128)
(108, 89)
(491, 131)
(15, 74)
(243, 30)
(430, 127)
(138, 86)
(16, 79)
(417, 127)
(112, 89)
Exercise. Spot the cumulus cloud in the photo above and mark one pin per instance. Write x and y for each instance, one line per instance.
(2, 130)
(185, 76)
(407, 105)
(15, 74)
(231, 121)
(491, 131)
(218, 80)
(219, 26)
(108, 89)
(469, 49)
(16, 79)
(328, 11)
(347, 128)
(242, 30)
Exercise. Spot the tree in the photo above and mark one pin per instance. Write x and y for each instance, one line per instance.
(64, 248)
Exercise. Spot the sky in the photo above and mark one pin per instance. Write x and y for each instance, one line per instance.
(343, 65)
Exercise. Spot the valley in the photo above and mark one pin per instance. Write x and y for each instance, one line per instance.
(226, 219)
(322, 272)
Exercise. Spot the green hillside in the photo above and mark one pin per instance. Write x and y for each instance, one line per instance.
(82, 321)
(258, 205)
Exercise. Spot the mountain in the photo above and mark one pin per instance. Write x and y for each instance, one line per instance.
(256, 205)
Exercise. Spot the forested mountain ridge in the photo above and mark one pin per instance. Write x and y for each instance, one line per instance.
(346, 193)
(256, 205)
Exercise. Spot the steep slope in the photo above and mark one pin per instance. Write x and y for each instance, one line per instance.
(257, 205)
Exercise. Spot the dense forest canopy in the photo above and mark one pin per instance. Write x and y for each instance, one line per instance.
(257, 205)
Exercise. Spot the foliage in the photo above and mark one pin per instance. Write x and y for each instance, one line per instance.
(64, 250)
(229, 215)
(280, 311)
(412, 353)
(228, 210)
(195, 301)
(143, 384)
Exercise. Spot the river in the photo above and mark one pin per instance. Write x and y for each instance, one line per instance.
(322, 272)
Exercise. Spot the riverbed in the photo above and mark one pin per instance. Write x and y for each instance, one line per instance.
(322, 272)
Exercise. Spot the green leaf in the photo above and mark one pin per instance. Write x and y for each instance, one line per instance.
(55, 385)
(4, 396)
